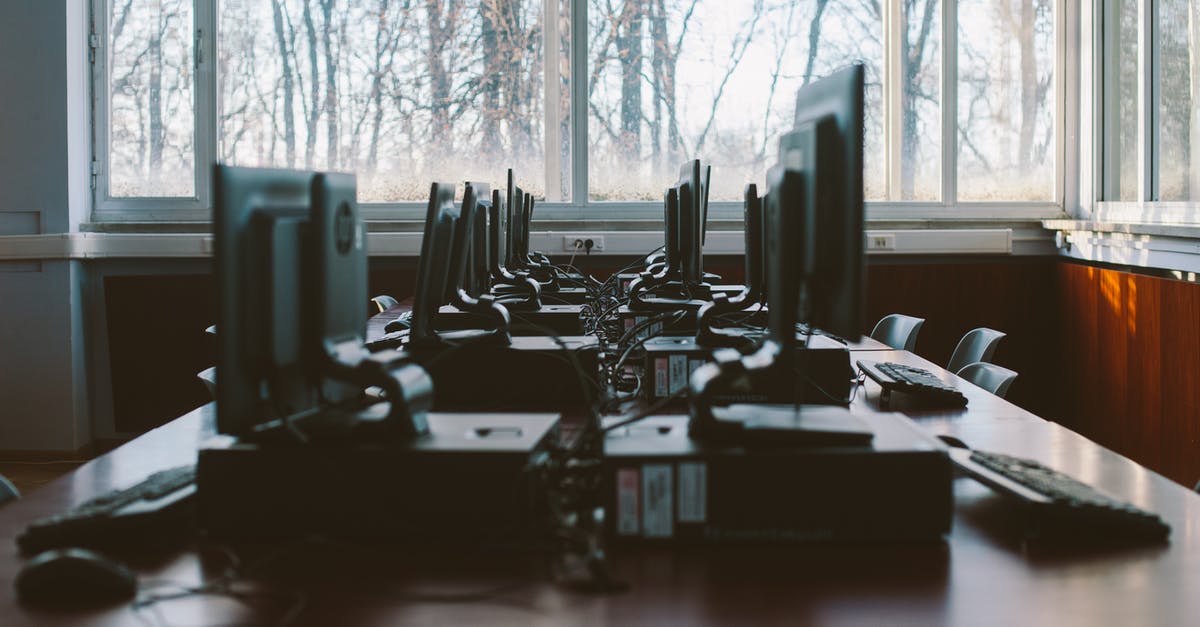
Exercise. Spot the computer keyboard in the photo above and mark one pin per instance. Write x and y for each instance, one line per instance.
(154, 508)
(1061, 508)
(916, 382)
(388, 341)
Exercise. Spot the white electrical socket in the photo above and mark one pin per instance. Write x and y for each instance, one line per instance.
(881, 241)
(575, 243)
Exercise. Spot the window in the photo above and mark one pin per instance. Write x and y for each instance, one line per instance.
(961, 98)
(1150, 110)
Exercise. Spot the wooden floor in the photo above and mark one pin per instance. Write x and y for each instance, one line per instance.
(29, 476)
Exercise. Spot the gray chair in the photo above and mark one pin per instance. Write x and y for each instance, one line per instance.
(8, 491)
(993, 378)
(382, 303)
(898, 331)
(208, 376)
(977, 345)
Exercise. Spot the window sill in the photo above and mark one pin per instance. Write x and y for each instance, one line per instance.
(1157, 245)
(622, 238)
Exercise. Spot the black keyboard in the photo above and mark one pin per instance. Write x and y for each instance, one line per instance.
(395, 339)
(1061, 508)
(916, 382)
(156, 508)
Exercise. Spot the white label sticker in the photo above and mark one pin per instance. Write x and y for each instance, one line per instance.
(679, 373)
(660, 377)
(693, 492)
(628, 520)
(658, 504)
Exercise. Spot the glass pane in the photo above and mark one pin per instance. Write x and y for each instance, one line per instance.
(921, 88)
(671, 80)
(1179, 139)
(1006, 100)
(1125, 136)
(151, 146)
(400, 93)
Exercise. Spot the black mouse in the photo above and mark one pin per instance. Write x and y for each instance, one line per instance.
(73, 578)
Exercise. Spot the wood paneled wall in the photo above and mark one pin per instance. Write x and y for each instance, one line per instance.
(1131, 365)
(1111, 354)
(1013, 296)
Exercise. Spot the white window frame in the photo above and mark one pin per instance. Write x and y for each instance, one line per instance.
(605, 214)
(1147, 208)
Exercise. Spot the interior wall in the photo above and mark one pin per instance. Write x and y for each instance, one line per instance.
(44, 157)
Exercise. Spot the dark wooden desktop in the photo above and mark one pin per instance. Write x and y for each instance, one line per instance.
(982, 574)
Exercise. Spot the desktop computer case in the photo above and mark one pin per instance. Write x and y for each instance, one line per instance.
(670, 362)
(663, 488)
(463, 483)
(531, 373)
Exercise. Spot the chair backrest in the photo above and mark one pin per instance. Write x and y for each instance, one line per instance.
(208, 376)
(8, 491)
(993, 378)
(383, 302)
(977, 345)
(898, 331)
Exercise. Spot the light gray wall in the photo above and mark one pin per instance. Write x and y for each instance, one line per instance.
(44, 187)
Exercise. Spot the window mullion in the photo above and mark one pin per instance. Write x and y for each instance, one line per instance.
(1148, 99)
(579, 99)
(205, 51)
(550, 90)
(893, 24)
(949, 102)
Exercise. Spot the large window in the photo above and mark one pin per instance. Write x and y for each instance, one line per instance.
(962, 97)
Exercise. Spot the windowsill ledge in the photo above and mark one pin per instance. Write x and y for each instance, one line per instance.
(1157, 229)
(1150, 245)
(900, 238)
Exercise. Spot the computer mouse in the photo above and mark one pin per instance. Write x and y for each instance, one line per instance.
(73, 578)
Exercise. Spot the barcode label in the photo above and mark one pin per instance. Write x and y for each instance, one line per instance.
(693, 492)
(679, 372)
(658, 506)
(660, 377)
(628, 520)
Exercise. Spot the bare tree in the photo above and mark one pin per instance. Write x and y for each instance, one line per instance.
(289, 120)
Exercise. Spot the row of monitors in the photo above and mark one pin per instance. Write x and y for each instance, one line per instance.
(292, 268)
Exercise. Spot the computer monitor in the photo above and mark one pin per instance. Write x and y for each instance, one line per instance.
(674, 259)
(292, 292)
(691, 191)
(789, 239)
(258, 219)
(833, 108)
(752, 238)
(434, 267)
(479, 275)
(337, 267)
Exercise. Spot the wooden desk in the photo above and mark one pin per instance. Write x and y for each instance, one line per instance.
(981, 575)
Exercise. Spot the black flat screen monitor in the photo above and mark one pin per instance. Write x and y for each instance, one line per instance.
(337, 279)
(259, 217)
(434, 266)
(692, 190)
(832, 109)
(752, 214)
(462, 248)
(498, 237)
